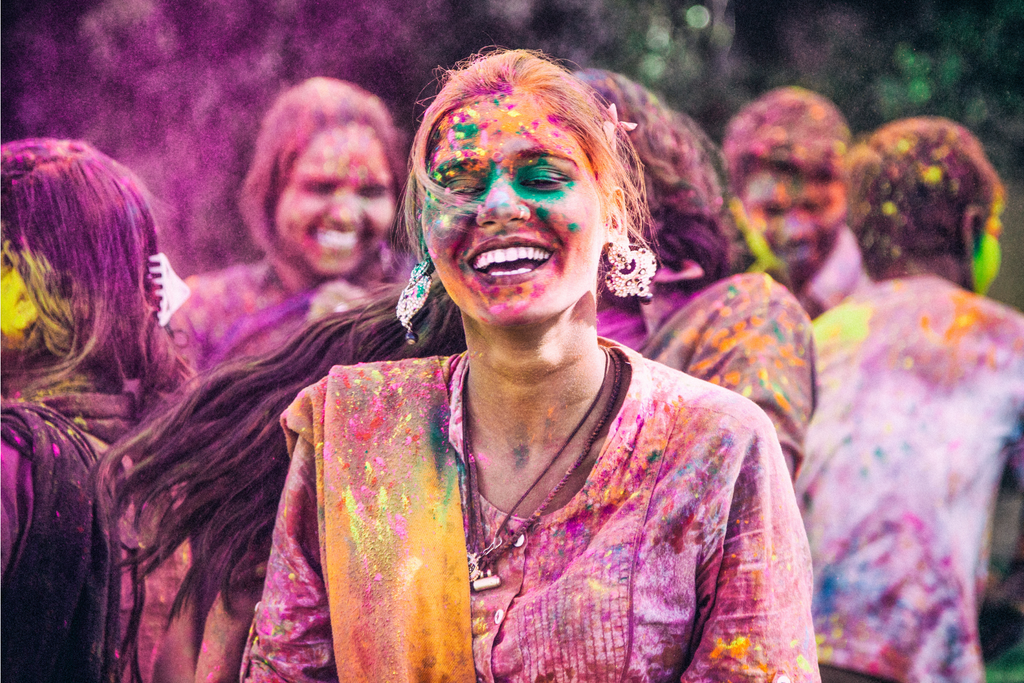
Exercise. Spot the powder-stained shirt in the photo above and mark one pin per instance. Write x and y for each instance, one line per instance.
(244, 310)
(921, 400)
(747, 333)
(681, 558)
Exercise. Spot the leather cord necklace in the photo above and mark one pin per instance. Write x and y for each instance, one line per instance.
(482, 559)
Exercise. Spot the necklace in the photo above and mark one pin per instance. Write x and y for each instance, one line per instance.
(481, 559)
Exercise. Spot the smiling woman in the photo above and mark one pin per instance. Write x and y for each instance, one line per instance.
(320, 199)
(548, 505)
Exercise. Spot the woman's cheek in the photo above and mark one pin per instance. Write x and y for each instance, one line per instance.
(381, 214)
(442, 234)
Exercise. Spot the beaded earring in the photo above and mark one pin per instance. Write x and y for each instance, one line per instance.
(413, 297)
(630, 270)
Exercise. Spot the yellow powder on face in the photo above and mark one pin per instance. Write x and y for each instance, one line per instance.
(17, 312)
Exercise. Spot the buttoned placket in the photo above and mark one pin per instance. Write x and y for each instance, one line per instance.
(491, 608)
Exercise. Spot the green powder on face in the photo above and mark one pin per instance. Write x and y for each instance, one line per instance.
(465, 130)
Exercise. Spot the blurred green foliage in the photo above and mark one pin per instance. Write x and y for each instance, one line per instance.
(958, 60)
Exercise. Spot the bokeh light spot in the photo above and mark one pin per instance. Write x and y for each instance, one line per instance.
(698, 17)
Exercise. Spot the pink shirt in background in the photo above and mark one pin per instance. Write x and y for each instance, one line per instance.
(920, 407)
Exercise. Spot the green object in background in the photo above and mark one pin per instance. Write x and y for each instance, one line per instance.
(987, 258)
(1009, 668)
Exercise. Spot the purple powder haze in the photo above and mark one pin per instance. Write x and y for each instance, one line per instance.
(176, 90)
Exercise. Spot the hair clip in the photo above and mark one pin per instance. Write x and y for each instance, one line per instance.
(610, 126)
(171, 289)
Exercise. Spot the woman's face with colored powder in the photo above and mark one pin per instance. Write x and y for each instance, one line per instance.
(517, 238)
(335, 211)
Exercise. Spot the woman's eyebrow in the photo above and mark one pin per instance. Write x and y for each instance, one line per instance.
(539, 153)
(462, 163)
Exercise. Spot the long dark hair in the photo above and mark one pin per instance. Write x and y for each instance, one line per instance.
(210, 467)
(684, 174)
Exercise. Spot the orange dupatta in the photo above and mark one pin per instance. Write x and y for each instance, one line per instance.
(392, 541)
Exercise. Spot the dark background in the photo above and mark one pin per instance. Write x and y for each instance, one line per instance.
(175, 88)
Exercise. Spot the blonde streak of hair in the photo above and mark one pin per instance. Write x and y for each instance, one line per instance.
(529, 72)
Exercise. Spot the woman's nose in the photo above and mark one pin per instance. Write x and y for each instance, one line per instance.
(342, 207)
(501, 205)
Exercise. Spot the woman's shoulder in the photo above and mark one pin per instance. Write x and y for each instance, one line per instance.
(701, 430)
(737, 307)
(355, 384)
(250, 274)
(392, 375)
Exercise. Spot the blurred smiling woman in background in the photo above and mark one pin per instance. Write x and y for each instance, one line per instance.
(320, 200)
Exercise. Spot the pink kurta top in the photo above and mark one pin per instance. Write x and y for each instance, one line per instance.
(682, 558)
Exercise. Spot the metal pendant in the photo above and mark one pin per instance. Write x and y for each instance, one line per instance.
(486, 583)
(477, 579)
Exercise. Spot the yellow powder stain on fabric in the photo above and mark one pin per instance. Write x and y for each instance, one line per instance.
(737, 649)
(965, 317)
(845, 323)
(802, 662)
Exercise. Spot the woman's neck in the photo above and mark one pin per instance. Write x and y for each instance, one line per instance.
(526, 390)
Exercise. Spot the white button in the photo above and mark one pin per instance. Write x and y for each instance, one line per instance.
(520, 541)
(498, 616)
(782, 678)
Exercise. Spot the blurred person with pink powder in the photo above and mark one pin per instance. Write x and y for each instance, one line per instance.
(784, 153)
(320, 200)
(920, 409)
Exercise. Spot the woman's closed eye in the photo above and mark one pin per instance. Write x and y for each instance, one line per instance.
(464, 185)
(543, 178)
(320, 187)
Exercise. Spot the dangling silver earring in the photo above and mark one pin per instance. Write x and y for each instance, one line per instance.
(413, 297)
(630, 270)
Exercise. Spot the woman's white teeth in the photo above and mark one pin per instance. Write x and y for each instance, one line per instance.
(511, 254)
(334, 239)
